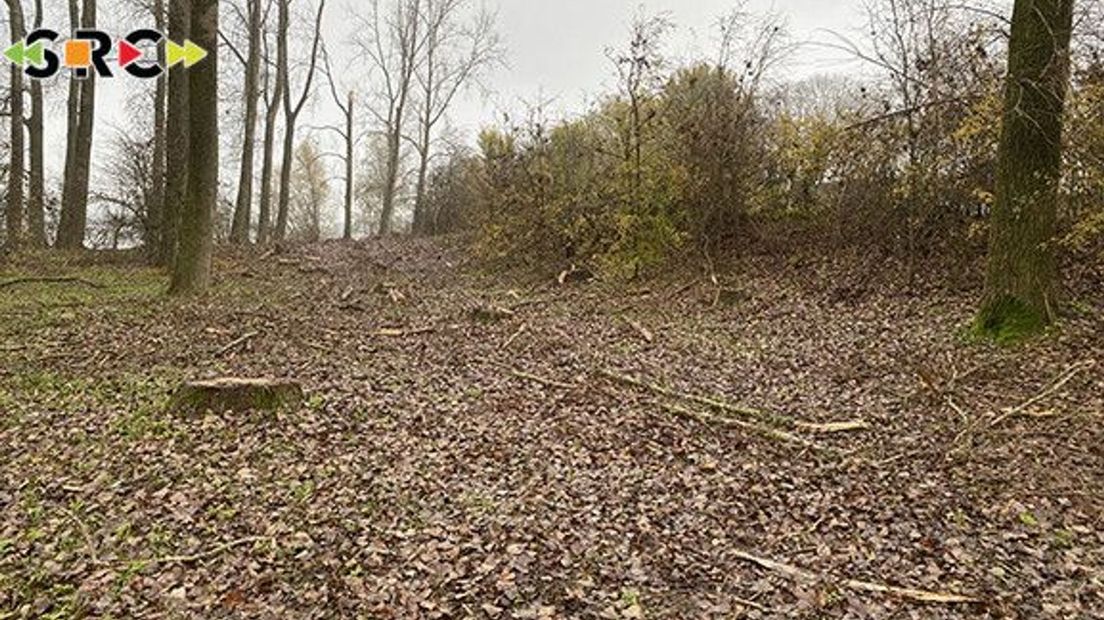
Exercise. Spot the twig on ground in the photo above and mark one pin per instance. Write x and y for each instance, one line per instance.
(1059, 383)
(921, 596)
(763, 416)
(237, 342)
(521, 330)
(759, 429)
(644, 333)
(830, 428)
(541, 380)
(398, 332)
(52, 280)
(206, 555)
(84, 534)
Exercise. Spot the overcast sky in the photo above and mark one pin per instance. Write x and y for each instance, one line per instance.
(555, 51)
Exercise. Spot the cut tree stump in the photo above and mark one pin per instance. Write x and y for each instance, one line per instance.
(235, 394)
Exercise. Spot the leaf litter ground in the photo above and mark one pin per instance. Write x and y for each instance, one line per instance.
(467, 449)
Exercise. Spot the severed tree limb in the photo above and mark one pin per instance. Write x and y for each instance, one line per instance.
(237, 342)
(52, 280)
(642, 331)
(206, 555)
(1058, 384)
(759, 429)
(509, 341)
(763, 416)
(397, 332)
(920, 596)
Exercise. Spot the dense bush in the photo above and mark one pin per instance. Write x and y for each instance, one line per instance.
(696, 156)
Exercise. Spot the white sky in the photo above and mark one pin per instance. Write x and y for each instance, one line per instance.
(555, 50)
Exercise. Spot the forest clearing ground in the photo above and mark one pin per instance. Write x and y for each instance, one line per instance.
(465, 449)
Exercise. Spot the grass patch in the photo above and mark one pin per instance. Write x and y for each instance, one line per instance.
(1008, 321)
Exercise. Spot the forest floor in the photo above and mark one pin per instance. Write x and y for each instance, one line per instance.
(457, 463)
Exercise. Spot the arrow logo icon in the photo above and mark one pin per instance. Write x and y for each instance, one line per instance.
(189, 53)
(128, 53)
(20, 54)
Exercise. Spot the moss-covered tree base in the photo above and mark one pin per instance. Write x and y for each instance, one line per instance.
(235, 394)
(1009, 320)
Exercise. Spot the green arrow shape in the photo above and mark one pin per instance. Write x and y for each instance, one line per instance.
(16, 53)
(193, 54)
(173, 53)
(36, 54)
(189, 53)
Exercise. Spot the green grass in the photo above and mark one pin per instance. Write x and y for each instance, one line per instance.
(1008, 321)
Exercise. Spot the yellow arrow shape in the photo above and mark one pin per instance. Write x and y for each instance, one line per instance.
(189, 53)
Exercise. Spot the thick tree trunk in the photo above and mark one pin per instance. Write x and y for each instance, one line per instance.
(421, 216)
(1022, 273)
(349, 169)
(36, 200)
(177, 137)
(16, 168)
(239, 232)
(74, 201)
(284, 201)
(155, 216)
(193, 265)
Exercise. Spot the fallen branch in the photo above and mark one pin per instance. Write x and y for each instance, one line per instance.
(237, 342)
(831, 428)
(396, 332)
(759, 429)
(541, 380)
(644, 333)
(521, 330)
(921, 596)
(52, 280)
(763, 416)
(1058, 384)
(206, 555)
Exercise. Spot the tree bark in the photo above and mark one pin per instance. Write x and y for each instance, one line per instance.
(16, 168)
(284, 86)
(348, 233)
(36, 201)
(264, 223)
(1022, 271)
(74, 200)
(155, 215)
(239, 232)
(177, 137)
(192, 272)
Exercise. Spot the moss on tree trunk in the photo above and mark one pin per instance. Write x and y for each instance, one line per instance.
(1022, 272)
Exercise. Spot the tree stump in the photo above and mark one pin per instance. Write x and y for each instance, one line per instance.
(235, 394)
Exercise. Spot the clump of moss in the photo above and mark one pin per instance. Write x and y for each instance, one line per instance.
(1009, 320)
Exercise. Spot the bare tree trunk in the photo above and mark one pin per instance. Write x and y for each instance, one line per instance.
(239, 232)
(177, 129)
(192, 271)
(16, 166)
(391, 174)
(291, 110)
(264, 223)
(155, 216)
(284, 86)
(36, 202)
(349, 168)
(74, 201)
(1020, 284)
